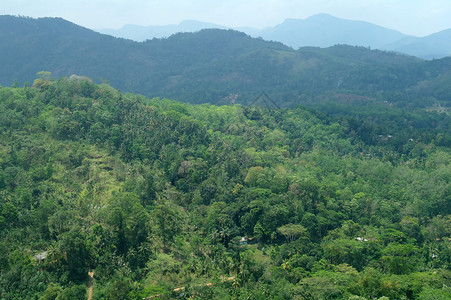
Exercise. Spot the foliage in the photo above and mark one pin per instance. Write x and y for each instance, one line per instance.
(223, 66)
(154, 196)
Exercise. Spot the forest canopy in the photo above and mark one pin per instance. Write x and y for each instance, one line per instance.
(166, 199)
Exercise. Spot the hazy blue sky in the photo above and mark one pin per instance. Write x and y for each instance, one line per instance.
(416, 17)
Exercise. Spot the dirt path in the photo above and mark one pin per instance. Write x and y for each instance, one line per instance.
(90, 282)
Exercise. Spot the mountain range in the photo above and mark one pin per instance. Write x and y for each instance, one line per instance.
(320, 30)
(219, 66)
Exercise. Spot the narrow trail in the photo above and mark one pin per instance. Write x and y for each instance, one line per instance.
(90, 282)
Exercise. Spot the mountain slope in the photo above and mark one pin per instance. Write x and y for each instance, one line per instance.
(214, 65)
(323, 30)
(320, 30)
(32, 45)
(433, 46)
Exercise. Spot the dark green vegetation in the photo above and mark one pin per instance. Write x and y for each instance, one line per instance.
(218, 66)
(155, 195)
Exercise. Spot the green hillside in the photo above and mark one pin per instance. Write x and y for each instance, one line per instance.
(154, 197)
(215, 66)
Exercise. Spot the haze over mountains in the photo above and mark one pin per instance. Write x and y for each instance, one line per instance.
(219, 66)
(142, 33)
(320, 30)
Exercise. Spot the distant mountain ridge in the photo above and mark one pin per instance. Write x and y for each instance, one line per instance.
(437, 45)
(321, 30)
(214, 65)
(142, 33)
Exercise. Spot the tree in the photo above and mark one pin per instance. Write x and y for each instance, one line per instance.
(51, 293)
(74, 254)
(399, 259)
(167, 224)
(411, 228)
(352, 252)
(118, 290)
(128, 218)
(43, 80)
(434, 294)
(220, 223)
(318, 288)
(310, 222)
(292, 232)
(370, 283)
(75, 292)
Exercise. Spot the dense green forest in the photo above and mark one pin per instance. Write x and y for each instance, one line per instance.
(161, 199)
(221, 66)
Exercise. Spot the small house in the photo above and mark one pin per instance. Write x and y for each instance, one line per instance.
(243, 241)
(40, 258)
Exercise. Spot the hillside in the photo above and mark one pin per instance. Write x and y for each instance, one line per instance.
(324, 30)
(320, 30)
(436, 45)
(216, 65)
(154, 197)
(53, 44)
